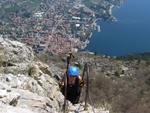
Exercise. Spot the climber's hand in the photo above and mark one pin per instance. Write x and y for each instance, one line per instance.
(81, 83)
(61, 85)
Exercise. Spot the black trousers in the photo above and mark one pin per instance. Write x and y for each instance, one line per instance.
(72, 95)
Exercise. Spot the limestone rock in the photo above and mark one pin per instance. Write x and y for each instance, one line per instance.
(14, 52)
(27, 86)
(9, 109)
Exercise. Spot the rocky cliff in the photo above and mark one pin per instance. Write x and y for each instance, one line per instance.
(26, 86)
(29, 86)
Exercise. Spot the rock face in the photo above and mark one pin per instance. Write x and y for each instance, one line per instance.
(15, 52)
(27, 86)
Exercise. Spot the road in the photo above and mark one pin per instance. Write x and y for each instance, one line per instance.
(48, 42)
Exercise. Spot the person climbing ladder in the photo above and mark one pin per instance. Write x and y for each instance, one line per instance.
(74, 84)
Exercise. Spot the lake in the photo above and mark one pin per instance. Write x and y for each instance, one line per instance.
(130, 34)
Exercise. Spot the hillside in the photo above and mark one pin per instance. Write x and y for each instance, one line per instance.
(136, 56)
(116, 85)
(29, 83)
(26, 85)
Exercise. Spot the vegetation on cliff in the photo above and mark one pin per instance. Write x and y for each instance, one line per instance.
(116, 85)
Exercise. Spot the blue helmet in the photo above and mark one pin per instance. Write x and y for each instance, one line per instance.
(72, 70)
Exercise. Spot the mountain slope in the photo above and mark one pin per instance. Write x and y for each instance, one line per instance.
(28, 85)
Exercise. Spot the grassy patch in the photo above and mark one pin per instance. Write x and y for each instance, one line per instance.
(87, 3)
(9, 8)
(32, 3)
(13, 9)
(6, 5)
(95, 1)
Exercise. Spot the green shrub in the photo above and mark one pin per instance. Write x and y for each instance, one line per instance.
(117, 74)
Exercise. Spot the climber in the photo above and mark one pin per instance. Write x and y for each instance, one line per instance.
(74, 84)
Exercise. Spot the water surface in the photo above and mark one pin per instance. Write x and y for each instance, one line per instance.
(130, 34)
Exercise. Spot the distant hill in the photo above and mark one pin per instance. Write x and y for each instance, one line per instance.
(136, 56)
